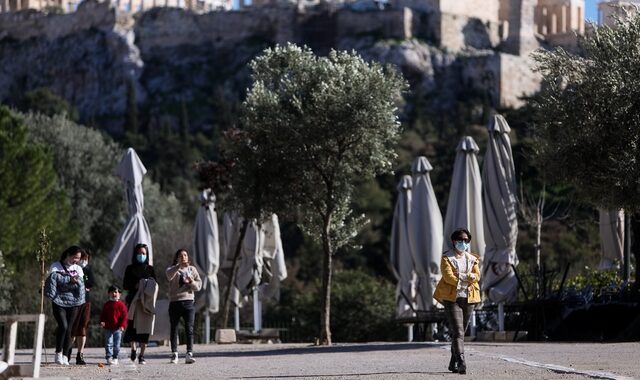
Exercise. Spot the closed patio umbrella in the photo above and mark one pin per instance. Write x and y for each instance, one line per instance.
(500, 214)
(425, 226)
(131, 171)
(400, 253)
(464, 207)
(206, 253)
(612, 239)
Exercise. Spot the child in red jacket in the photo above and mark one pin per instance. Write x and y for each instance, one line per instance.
(113, 320)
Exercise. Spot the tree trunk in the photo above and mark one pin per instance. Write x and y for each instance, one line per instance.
(232, 279)
(325, 323)
(635, 244)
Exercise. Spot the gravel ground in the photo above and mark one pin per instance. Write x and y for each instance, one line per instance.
(365, 361)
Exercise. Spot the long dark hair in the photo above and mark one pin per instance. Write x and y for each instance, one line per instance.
(71, 251)
(135, 253)
(175, 256)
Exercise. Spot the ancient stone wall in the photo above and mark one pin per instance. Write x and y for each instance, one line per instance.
(456, 32)
(30, 23)
(393, 23)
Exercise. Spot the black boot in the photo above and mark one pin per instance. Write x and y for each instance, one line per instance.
(453, 364)
(462, 366)
(80, 359)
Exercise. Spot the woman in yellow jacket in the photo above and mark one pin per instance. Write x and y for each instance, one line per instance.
(459, 292)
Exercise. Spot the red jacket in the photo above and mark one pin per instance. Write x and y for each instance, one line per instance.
(114, 315)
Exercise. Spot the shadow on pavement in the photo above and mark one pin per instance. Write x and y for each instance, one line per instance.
(336, 348)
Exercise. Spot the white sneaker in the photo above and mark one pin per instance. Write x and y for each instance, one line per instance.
(174, 358)
(114, 361)
(65, 360)
(189, 358)
(59, 358)
(109, 361)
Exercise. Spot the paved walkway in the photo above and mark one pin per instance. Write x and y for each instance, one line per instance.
(367, 361)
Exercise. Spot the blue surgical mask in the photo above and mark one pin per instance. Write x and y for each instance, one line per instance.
(141, 258)
(462, 246)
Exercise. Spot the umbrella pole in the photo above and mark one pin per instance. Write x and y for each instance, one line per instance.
(236, 318)
(257, 312)
(501, 316)
(207, 328)
(410, 333)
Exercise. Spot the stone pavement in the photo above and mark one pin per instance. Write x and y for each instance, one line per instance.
(366, 361)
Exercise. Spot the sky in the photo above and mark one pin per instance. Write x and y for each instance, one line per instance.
(591, 12)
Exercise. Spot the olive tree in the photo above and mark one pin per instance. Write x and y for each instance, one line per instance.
(587, 119)
(310, 126)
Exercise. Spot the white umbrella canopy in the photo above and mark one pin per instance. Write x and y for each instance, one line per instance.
(131, 171)
(464, 207)
(273, 260)
(500, 214)
(206, 252)
(250, 261)
(612, 239)
(425, 233)
(400, 253)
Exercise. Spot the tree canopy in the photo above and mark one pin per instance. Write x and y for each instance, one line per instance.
(310, 127)
(29, 197)
(588, 116)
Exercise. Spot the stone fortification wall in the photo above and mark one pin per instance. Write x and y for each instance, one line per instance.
(392, 23)
(167, 27)
(456, 32)
(517, 79)
(28, 24)
(485, 10)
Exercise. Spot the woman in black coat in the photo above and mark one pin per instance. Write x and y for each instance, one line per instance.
(136, 271)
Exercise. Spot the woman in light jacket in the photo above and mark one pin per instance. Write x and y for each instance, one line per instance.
(184, 281)
(65, 289)
(459, 292)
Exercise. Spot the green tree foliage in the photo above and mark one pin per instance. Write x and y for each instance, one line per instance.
(587, 118)
(29, 197)
(588, 114)
(84, 160)
(366, 305)
(311, 127)
(43, 101)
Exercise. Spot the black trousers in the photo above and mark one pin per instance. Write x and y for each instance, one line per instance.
(458, 314)
(187, 311)
(65, 317)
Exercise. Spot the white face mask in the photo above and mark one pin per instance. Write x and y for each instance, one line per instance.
(114, 298)
(83, 263)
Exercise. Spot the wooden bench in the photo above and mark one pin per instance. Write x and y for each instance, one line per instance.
(10, 336)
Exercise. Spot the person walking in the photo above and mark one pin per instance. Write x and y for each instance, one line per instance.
(65, 288)
(184, 281)
(140, 324)
(81, 325)
(113, 320)
(459, 291)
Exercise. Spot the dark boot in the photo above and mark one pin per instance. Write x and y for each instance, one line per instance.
(462, 366)
(80, 359)
(453, 364)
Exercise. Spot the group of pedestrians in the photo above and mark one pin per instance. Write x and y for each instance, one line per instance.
(69, 284)
(70, 281)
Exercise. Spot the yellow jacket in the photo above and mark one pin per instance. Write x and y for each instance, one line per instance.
(446, 290)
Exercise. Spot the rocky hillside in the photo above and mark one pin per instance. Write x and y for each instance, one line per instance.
(168, 58)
